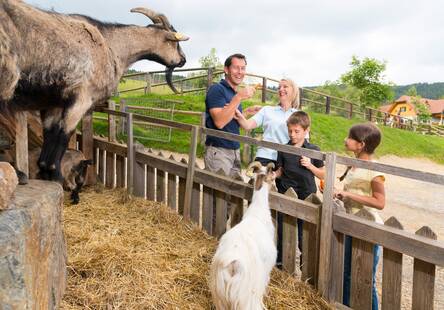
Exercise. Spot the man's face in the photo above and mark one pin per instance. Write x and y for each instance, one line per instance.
(235, 73)
(296, 134)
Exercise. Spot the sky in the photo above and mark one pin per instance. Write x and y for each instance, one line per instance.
(310, 41)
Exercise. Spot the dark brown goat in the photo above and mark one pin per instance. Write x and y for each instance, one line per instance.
(62, 65)
(74, 165)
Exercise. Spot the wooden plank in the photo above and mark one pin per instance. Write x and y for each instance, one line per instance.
(150, 183)
(290, 250)
(130, 153)
(393, 170)
(289, 244)
(207, 210)
(21, 142)
(221, 213)
(337, 266)
(391, 274)
(309, 253)
(423, 277)
(276, 146)
(182, 189)
(172, 191)
(190, 172)
(110, 170)
(426, 249)
(120, 171)
(326, 229)
(237, 206)
(361, 274)
(195, 204)
(139, 179)
(72, 144)
(88, 146)
(101, 163)
(111, 122)
(161, 188)
(122, 127)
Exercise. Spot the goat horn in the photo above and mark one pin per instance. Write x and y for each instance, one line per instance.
(252, 167)
(158, 19)
(270, 166)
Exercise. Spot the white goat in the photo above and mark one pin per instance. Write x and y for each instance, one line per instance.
(241, 266)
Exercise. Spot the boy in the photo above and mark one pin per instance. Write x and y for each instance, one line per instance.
(297, 171)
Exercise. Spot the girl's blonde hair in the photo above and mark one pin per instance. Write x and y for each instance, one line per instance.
(295, 93)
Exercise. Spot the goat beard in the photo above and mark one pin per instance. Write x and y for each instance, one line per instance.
(169, 78)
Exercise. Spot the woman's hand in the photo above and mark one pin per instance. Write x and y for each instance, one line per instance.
(339, 194)
(238, 115)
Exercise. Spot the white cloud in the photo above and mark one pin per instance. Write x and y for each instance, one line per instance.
(309, 41)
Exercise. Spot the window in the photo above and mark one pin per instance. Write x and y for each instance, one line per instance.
(402, 109)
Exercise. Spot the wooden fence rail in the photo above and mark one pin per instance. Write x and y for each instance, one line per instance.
(201, 197)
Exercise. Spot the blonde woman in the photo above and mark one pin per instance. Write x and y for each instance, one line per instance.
(273, 119)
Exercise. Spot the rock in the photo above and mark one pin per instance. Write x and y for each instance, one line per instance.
(8, 183)
(32, 248)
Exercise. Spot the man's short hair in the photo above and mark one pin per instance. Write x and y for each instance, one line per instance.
(299, 118)
(229, 60)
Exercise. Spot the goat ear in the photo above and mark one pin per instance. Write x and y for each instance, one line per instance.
(176, 36)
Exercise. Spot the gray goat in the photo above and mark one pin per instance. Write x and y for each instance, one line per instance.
(62, 65)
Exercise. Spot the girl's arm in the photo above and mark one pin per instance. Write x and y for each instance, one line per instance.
(246, 124)
(377, 200)
(318, 172)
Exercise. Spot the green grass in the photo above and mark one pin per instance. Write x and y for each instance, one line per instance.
(328, 132)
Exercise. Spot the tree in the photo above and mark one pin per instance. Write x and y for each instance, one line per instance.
(210, 60)
(367, 76)
(422, 109)
(412, 92)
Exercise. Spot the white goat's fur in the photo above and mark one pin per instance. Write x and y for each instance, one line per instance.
(241, 266)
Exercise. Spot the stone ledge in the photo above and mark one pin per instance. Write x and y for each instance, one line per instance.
(32, 248)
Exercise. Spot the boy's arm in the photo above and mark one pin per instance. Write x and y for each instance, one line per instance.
(377, 200)
(278, 173)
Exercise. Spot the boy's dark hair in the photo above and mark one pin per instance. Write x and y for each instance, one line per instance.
(367, 133)
(299, 118)
(230, 59)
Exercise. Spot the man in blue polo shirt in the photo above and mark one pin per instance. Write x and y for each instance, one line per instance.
(222, 100)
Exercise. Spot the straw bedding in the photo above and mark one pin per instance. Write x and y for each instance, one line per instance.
(137, 254)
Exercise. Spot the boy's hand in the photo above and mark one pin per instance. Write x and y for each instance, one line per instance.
(306, 162)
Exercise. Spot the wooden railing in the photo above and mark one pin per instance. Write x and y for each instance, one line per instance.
(320, 102)
(180, 185)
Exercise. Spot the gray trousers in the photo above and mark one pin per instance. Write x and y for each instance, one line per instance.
(217, 158)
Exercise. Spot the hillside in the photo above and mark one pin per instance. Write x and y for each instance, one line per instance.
(425, 90)
(328, 132)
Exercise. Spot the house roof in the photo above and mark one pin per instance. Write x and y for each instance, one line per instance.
(435, 106)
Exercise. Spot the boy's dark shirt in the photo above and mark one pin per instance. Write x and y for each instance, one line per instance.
(295, 175)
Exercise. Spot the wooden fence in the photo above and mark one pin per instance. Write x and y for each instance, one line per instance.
(320, 102)
(193, 192)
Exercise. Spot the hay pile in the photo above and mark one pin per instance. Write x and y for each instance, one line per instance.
(141, 255)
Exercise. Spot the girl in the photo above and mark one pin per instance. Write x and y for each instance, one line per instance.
(362, 189)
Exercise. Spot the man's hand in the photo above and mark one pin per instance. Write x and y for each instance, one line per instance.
(246, 92)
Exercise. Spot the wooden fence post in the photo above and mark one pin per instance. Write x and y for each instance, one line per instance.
(21, 142)
(130, 153)
(148, 78)
(326, 229)
(88, 146)
(203, 119)
(172, 189)
(327, 104)
(350, 113)
(122, 124)
(190, 172)
(111, 122)
(264, 89)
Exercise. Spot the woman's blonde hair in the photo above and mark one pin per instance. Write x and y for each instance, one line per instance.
(295, 93)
